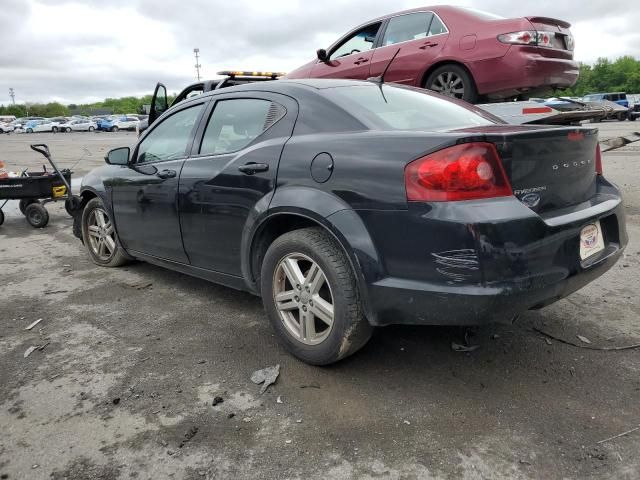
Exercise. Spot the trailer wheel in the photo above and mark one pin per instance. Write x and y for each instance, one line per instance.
(1, 217)
(24, 203)
(37, 215)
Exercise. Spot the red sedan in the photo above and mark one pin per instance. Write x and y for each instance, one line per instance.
(457, 51)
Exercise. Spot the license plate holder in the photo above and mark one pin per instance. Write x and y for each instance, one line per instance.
(591, 240)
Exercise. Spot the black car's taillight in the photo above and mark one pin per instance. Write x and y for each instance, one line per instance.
(463, 172)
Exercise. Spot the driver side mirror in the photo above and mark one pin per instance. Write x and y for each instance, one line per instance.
(322, 55)
(118, 156)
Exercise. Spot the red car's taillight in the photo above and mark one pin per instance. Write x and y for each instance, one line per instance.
(528, 37)
(598, 161)
(462, 172)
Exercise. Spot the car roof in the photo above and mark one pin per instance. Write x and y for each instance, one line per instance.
(286, 86)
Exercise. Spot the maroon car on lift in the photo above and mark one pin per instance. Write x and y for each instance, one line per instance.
(457, 51)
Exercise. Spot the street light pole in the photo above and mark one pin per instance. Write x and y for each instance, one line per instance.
(197, 51)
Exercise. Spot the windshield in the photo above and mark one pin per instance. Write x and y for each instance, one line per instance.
(396, 108)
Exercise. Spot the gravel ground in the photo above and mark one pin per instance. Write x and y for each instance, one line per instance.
(131, 360)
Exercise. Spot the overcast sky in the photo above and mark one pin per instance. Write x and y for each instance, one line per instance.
(86, 50)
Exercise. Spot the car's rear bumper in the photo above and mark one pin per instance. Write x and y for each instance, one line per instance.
(472, 272)
(523, 69)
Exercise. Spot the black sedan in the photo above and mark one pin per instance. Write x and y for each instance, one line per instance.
(348, 205)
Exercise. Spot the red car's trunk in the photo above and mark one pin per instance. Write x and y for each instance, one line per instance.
(561, 38)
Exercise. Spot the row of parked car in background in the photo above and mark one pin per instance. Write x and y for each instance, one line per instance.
(77, 123)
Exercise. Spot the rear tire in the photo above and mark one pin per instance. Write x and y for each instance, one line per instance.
(68, 129)
(37, 215)
(622, 116)
(453, 81)
(91, 129)
(100, 237)
(333, 327)
(1, 217)
(114, 129)
(54, 129)
(29, 130)
(24, 203)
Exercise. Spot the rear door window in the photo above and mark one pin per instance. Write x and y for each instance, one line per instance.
(437, 27)
(405, 28)
(235, 123)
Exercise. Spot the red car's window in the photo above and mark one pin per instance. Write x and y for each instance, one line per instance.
(404, 28)
(361, 41)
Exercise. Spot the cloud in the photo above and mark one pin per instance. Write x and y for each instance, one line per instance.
(87, 50)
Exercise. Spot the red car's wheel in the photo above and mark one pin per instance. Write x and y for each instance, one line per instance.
(453, 81)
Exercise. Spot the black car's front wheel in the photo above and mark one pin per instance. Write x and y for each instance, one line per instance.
(453, 81)
(100, 237)
(310, 294)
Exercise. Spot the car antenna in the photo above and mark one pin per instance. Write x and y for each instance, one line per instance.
(380, 80)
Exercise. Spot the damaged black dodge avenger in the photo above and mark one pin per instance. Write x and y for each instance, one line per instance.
(349, 204)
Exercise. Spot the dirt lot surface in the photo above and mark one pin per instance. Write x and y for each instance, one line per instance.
(131, 359)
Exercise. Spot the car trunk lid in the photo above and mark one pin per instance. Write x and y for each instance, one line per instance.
(562, 42)
(549, 168)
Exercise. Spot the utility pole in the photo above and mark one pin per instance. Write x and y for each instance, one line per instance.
(197, 51)
(12, 94)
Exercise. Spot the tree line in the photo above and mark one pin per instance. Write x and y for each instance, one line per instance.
(621, 75)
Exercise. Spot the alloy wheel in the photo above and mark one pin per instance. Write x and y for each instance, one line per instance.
(303, 298)
(102, 237)
(448, 83)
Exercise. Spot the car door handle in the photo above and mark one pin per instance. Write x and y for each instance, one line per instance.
(427, 44)
(251, 168)
(166, 174)
(361, 60)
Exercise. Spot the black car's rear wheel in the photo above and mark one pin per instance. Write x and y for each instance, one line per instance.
(310, 293)
(99, 235)
(453, 81)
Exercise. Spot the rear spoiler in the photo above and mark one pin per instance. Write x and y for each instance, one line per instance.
(553, 21)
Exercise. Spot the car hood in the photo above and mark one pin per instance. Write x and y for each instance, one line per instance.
(302, 72)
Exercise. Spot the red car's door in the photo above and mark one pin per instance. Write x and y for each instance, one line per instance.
(420, 36)
(350, 57)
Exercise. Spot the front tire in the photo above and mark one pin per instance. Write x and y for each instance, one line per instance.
(453, 81)
(29, 130)
(100, 237)
(114, 129)
(310, 293)
(68, 129)
(54, 129)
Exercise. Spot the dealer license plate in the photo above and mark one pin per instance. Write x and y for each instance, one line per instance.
(591, 240)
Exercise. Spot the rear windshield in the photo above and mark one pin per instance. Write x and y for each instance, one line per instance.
(395, 108)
